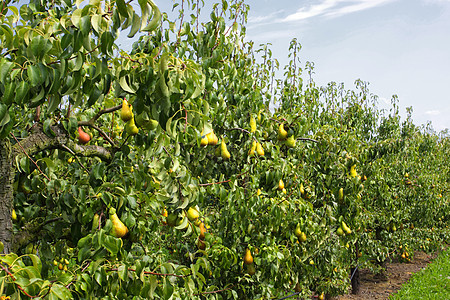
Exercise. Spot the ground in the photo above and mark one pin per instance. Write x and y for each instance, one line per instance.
(397, 274)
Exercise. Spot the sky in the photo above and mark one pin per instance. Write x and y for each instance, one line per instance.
(401, 47)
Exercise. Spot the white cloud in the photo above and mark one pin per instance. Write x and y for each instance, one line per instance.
(333, 8)
(433, 112)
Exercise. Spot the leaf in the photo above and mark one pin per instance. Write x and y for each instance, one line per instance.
(5, 69)
(21, 92)
(76, 17)
(47, 128)
(124, 85)
(121, 6)
(78, 61)
(135, 26)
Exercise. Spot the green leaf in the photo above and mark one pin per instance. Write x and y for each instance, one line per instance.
(21, 92)
(76, 17)
(122, 7)
(78, 61)
(124, 85)
(136, 24)
(167, 289)
(47, 128)
(5, 69)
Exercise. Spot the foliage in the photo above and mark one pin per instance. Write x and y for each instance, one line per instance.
(61, 68)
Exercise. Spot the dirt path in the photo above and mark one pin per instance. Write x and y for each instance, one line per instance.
(398, 274)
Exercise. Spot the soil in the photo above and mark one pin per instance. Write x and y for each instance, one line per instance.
(372, 287)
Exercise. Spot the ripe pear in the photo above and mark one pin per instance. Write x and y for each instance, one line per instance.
(212, 138)
(83, 137)
(248, 258)
(353, 171)
(346, 229)
(95, 222)
(202, 231)
(224, 151)
(258, 192)
(13, 215)
(192, 214)
(302, 237)
(201, 244)
(298, 231)
(251, 152)
(281, 185)
(119, 229)
(126, 114)
(252, 124)
(259, 149)
(302, 189)
(282, 133)
(131, 127)
(340, 231)
(204, 140)
(341, 194)
(290, 142)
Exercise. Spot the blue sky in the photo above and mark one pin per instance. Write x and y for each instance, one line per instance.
(400, 47)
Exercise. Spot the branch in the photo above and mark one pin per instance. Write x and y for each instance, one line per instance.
(38, 141)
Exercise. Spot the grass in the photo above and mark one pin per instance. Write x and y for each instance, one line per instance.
(432, 282)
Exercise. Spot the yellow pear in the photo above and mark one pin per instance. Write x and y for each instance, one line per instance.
(298, 231)
(251, 152)
(131, 128)
(202, 231)
(224, 151)
(204, 140)
(341, 194)
(95, 222)
(119, 229)
(281, 185)
(252, 124)
(248, 258)
(13, 215)
(290, 142)
(340, 231)
(346, 229)
(353, 171)
(302, 189)
(259, 149)
(282, 133)
(302, 237)
(126, 114)
(192, 214)
(212, 138)
(258, 192)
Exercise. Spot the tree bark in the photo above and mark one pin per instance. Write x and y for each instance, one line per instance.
(6, 194)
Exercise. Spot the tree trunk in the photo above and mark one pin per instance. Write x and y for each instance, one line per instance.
(355, 273)
(6, 195)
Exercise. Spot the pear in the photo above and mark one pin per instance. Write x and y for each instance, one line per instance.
(202, 231)
(302, 189)
(131, 127)
(290, 142)
(282, 133)
(248, 258)
(192, 214)
(119, 229)
(259, 149)
(281, 185)
(353, 171)
(224, 151)
(201, 244)
(13, 215)
(83, 137)
(126, 114)
(258, 192)
(302, 237)
(341, 194)
(298, 231)
(251, 152)
(251, 270)
(142, 120)
(252, 124)
(212, 138)
(346, 229)
(204, 140)
(340, 231)
(95, 222)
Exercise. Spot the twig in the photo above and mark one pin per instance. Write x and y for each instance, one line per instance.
(18, 285)
(29, 157)
(212, 183)
(76, 157)
(215, 292)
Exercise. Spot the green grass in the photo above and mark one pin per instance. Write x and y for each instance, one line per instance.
(431, 283)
